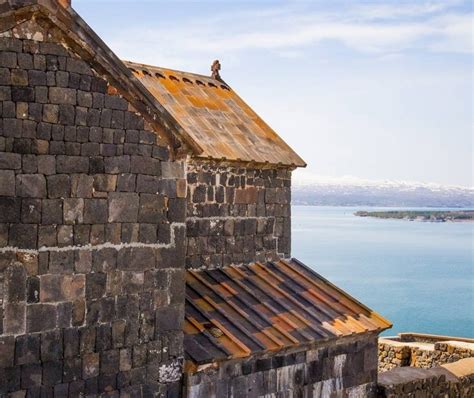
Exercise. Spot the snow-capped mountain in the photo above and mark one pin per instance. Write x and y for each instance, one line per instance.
(350, 191)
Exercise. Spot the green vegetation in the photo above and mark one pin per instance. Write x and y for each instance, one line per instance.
(432, 216)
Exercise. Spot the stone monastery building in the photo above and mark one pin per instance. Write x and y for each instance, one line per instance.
(145, 234)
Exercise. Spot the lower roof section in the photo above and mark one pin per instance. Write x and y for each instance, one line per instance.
(238, 311)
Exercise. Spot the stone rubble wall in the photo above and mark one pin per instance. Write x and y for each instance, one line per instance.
(92, 233)
(343, 368)
(392, 355)
(396, 353)
(237, 215)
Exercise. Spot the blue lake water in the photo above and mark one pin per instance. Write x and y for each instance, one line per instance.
(419, 275)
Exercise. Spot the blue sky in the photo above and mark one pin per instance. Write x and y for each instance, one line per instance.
(375, 90)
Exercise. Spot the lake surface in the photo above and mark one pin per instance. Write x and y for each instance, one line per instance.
(419, 275)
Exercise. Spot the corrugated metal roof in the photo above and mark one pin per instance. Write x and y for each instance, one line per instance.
(215, 117)
(236, 311)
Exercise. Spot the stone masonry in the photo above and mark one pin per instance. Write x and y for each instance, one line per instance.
(92, 232)
(237, 214)
(422, 351)
(346, 368)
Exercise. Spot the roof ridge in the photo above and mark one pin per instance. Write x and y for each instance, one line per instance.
(162, 68)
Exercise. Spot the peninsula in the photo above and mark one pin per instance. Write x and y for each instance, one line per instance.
(424, 215)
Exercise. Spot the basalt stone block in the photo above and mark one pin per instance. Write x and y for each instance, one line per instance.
(118, 334)
(112, 233)
(7, 183)
(95, 211)
(87, 339)
(10, 209)
(64, 311)
(104, 337)
(95, 285)
(145, 165)
(73, 211)
(123, 207)
(93, 120)
(81, 116)
(173, 170)
(56, 288)
(61, 262)
(40, 317)
(59, 186)
(10, 161)
(109, 362)
(151, 208)
(61, 390)
(10, 379)
(23, 94)
(132, 282)
(15, 283)
(97, 234)
(104, 260)
(161, 152)
(52, 373)
(62, 95)
(148, 184)
(169, 318)
(135, 259)
(105, 182)
(31, 185)
(117, 164)
(71, 342)
(52, 211)
(7, 352)
(147, 233)
(126, 182)
(147, 137)
(27, 349)
(78, 312)
(82, 186)
(31, 376)
(177, 210)
(72, 164)
(11, 127)
(23, 236)
(14, 318)
(90, 365)
(51, 345)
(50, 113)
(130, 232)
(19, 77)
(77, 388)
(72, 369)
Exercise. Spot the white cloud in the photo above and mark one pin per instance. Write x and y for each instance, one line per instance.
(381, 29)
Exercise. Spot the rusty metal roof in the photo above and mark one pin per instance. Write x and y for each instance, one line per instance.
(237, 311)
(215, 117)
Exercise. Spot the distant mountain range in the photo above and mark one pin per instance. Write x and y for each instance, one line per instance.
(355, 192)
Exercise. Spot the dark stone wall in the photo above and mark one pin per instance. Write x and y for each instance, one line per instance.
(92, 234)
(343, 368)
(237, 214)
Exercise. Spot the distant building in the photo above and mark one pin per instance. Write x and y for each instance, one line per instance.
(145, 232)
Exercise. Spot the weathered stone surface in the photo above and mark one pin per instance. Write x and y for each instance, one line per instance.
(68, 179)
(123, 207)
(7, 183)
(40, 317)
(31, 185)
(56, 288)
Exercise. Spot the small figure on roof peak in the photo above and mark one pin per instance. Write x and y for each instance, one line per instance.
(215, 68)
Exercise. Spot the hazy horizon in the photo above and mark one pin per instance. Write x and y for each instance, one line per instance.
(379, 90)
